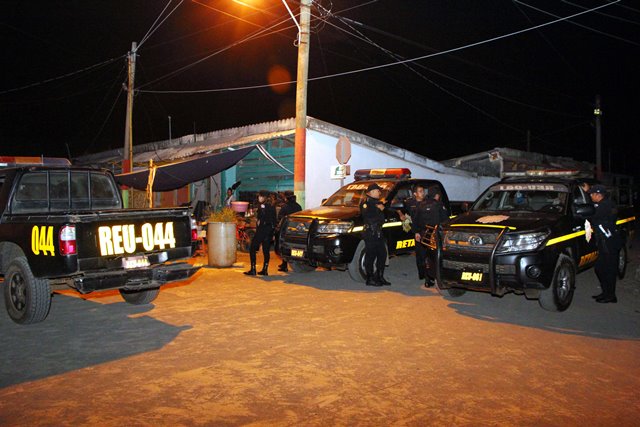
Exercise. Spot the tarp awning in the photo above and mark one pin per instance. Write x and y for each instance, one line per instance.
(177, 175)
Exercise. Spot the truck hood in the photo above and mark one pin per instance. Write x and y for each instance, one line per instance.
(329, 212)
(516, 220)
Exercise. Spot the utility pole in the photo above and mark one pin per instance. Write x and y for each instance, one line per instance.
(301, 103)
(597, 112)
(127, 162)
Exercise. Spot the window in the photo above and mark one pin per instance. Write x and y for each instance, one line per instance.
(31, 195)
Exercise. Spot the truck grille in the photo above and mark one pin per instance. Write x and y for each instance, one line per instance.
(469, 240)
(297, 227)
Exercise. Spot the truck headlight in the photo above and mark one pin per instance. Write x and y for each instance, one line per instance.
(336, 227)
(522, 242)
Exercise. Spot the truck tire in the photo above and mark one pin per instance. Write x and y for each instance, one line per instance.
(301, 267)
(622, 262)
(27, 298)
(559, 295)
(356, 266)
(452, 292)
(140, 297)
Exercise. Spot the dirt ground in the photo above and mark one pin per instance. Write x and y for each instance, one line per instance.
(318, 349)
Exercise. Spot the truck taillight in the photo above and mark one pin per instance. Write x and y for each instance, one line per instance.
(68, 240)
(194, 230)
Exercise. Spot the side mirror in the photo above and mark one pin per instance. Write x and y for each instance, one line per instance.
(465, 207)
(584, 210)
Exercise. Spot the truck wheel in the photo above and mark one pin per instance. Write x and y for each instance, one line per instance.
(452, 292)
(27, 298)
(622, 262)
(559, 295)
(301, 267)
(140, 297)
(356, 266)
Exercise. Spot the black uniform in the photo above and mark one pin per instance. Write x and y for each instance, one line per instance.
(375, 248)
(609, 244)
(290, 207)
(428, 212)
(264, 232)
(411, 208)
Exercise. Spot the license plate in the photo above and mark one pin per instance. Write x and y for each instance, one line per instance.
(471, 276)
(135, 262)
(297, 253)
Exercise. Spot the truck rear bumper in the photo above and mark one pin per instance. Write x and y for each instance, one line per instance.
(134, 279)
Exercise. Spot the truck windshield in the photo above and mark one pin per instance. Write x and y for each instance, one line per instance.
(353, 194)
(523, 197)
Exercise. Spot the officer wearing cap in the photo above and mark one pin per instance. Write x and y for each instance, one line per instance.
(372, 210)
(429, 212)
(608, 241)
(291, 206)
(264, 233)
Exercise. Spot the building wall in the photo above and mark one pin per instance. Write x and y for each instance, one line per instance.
(321, 156)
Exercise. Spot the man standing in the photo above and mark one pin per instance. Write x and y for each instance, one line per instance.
(429, 212)
(264, 233)
(411, 206)
(608, 241)
(372, 210)
(290, 207)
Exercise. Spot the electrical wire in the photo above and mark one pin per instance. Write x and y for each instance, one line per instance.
(568, 19)
(217, 52)
(392, 64)
(618, 18)
(73, 73)
(151, 31)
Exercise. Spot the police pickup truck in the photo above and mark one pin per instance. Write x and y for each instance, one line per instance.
(330, 236)
(62, 226)
(525, 235)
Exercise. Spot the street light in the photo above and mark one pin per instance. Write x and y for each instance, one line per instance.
(301, 96)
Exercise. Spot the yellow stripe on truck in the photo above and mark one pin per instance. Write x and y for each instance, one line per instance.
(565, 237)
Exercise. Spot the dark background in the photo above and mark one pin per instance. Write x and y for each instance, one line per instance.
(55, 100)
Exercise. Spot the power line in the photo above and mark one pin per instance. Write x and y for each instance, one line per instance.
(580, 25)
(108, 61)
(377, 67)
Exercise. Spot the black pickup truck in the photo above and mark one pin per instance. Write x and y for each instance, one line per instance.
(66, 227)
(330, 235)
(524, 235)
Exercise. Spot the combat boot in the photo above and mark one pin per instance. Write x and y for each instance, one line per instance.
(283, 267)
(380, 278)
(371, 281)
(265, 270)
(252, 271)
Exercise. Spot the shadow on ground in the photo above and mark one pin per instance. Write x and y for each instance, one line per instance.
(67, 341)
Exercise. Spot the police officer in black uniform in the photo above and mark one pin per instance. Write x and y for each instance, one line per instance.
(290, 207)
(429, 212)
(264, 233)
(372, 210)
(411, 206)
(608, 241)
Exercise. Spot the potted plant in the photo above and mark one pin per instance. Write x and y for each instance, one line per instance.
(221, 237)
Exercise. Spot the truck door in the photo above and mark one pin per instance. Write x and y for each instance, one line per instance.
(398, 240)
(587, 251)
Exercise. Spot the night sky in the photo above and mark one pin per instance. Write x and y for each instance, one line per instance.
(65, 65)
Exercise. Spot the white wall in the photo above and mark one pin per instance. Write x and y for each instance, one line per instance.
(460, 185)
